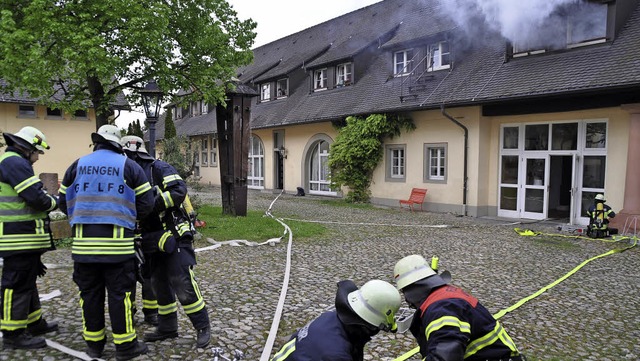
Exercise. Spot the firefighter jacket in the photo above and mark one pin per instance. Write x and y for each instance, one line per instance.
(599, 215)
(24, 206)
(452, 325)
(168, 224)
(333, 336)
(103, 194)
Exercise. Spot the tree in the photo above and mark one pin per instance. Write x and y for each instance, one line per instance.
(68, 54)
(358, 149)
(137, 129)
(169, 127)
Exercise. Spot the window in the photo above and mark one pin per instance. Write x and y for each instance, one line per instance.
(213, 159)
(204, 107)
(26, 111)
(343, 74)
(265, 92)
(185, 110)
(282, 88)
(204, 149)
(320, 79)
(319, 168)
(439, 56)
(402, 62)
(255, 175)
(396, 163)
(436, 162)
(80, 114)
(54, 113)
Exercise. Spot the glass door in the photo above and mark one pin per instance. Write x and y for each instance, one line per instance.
(533, 194)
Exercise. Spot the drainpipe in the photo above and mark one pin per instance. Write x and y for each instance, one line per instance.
(466, 157)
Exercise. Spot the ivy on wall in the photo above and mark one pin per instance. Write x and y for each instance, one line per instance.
(359, 148)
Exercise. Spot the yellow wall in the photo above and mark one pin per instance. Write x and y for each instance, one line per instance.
(69, 138)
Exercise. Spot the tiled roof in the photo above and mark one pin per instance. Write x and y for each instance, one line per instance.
(479, 73)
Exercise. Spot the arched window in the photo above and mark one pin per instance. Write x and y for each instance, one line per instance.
(255, 175)
(319, 168)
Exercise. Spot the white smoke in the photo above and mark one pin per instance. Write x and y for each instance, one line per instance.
(530, 22)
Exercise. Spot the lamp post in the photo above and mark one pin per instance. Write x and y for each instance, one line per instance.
(152, 101)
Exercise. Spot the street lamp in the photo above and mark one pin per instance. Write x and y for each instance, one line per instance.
(152, 101)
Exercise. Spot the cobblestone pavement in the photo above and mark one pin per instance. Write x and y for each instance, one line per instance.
(593, 315)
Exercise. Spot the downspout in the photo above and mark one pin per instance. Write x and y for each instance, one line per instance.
(466, 157)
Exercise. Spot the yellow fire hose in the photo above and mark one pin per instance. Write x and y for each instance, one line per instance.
(528, 232)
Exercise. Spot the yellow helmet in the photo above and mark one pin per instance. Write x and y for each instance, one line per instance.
(411, 269)
(377, 303)
(28, 136)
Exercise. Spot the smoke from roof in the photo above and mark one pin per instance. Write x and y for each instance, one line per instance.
(531, 23)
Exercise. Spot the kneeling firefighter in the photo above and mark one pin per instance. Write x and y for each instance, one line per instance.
(167, 243)
(341, 335)
(450, 324)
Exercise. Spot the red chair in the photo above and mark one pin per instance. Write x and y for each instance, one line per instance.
(416, 197)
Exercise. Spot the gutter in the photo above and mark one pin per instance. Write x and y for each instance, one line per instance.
(466, 157)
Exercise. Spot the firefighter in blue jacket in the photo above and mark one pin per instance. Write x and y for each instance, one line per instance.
(103, 194)
(450, 324)
(341, 335)
(24, 237)
(167, 241)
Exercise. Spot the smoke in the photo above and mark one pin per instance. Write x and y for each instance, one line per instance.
(530, 23)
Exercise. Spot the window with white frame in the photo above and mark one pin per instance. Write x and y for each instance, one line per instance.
(435, 162)
(320, 79)
(402, 62)
(255, 174)
(344, 74)
(439, 56)
(213, 158)
(319, 172)
(26, 111)
(282, 86)
(204, 108)
(396, 162)
(204, 149)
(265, 92)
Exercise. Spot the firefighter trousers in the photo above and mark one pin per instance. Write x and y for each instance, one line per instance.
(172, 277)
(20, 298)
(119, 280)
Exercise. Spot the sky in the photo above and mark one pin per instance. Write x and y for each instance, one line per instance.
(277, 19)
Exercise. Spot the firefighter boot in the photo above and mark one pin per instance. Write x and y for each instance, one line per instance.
(204, 337)
(21, 340)
(151, 318)
(167, 328)
(41, 327)
(135, 350)
(95, 348)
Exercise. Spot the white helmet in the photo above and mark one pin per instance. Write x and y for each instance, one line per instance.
(133, 143)
(28, 136)
(411, 269)
(600, 197)
(107, 133)
(377, 303)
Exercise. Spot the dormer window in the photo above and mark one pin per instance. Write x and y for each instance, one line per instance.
(265, 92)
(320, 79)
(344, 74)
(402, 62)
(439, 56)
(282, 88)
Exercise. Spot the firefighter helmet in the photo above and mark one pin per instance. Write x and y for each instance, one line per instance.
(600, 197)
(133, 143)
(376, 302)
(107, 134)
(411, 269)
(28, 136)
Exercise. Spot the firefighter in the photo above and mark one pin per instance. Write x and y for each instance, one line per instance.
(103, 193)
(25, 236)
(450, 324)
(341, 335)
(167, 241)
(599, 214)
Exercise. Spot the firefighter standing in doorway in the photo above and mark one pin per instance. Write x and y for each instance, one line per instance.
(167, 241)
(599, 214)
(449, 324)
(341, 335)
(25, 236)
(103, 194)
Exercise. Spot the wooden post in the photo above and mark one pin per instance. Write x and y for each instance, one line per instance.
(233, 122)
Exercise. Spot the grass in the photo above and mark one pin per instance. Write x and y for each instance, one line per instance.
(256, 226)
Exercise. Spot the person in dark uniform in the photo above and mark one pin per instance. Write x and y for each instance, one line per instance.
(24, 237)
(450, 324)
(341, 335)
(103, 194)
(599, 216)
(167, 241)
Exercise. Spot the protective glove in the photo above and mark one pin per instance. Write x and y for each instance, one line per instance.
(42, 269)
